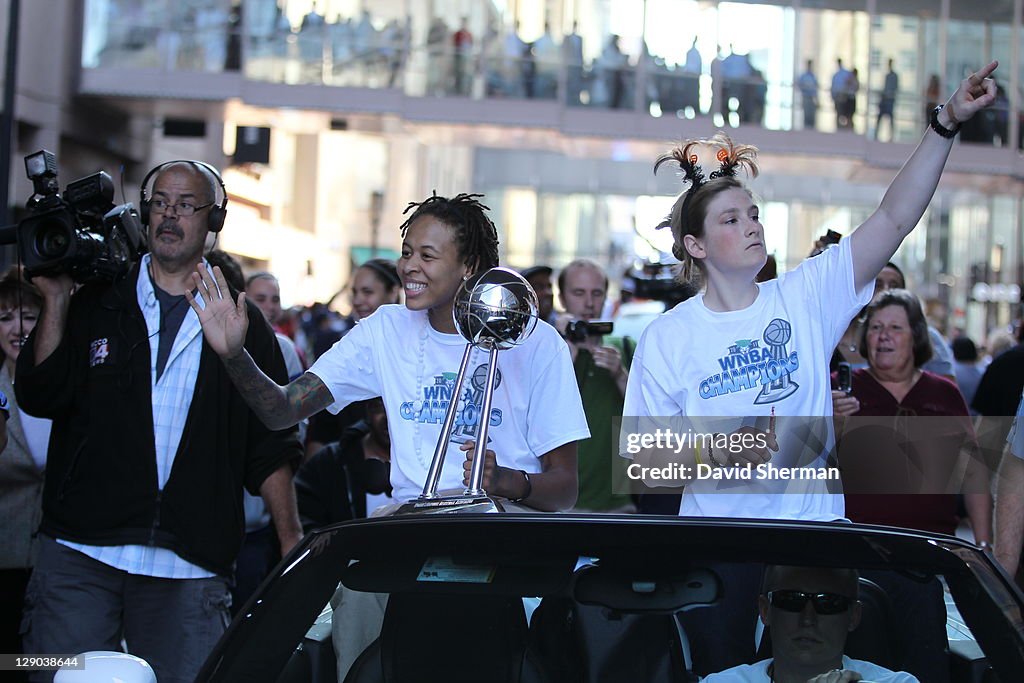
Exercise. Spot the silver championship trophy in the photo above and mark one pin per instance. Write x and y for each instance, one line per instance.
(494, 310)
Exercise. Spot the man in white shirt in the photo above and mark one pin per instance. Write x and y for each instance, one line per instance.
(810, 611)
(150, 449)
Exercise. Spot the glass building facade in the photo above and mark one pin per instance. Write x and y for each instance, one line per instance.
(556, 109)
(738, 62)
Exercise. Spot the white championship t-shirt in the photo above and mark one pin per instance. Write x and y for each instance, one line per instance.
(757, 673)
(712, 372)
(396, 354)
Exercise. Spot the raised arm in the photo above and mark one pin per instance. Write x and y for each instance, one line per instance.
(911, 190)
(278, 407)
(53, 317)
(225, 323)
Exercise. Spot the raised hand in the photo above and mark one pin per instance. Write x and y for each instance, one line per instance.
(224, 321)
(54, 286)
(976, 92)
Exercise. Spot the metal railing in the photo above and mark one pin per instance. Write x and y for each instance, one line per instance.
(333, 56)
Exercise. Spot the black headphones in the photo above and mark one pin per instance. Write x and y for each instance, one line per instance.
(218, 212)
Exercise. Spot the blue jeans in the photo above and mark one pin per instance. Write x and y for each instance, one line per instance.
(75, 604)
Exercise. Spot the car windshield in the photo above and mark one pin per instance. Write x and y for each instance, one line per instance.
(581, 598)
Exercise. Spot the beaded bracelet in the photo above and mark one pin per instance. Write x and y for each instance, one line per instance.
(933, 121)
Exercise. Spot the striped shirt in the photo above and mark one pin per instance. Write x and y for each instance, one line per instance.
(172, 397)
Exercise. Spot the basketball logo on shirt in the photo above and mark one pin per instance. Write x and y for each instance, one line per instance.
(437, 396)
(765, 364)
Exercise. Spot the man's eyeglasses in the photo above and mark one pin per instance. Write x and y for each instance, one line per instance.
(824, 603)
(183, 209)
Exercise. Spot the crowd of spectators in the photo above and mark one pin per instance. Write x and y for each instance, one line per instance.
(133, 527)
(472, 56)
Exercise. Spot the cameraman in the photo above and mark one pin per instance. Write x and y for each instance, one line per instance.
(150, 449)
(601, 364)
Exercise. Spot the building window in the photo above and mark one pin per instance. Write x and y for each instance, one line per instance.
(908, 61)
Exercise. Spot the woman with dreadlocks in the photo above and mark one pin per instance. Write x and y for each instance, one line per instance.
(410, 354)
(748, 352)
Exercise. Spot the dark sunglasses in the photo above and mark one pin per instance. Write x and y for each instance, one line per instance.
(824, 603)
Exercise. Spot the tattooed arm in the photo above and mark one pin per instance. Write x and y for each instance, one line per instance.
(277, 407)
(225, 323)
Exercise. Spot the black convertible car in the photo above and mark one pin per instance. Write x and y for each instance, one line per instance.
(537, 597)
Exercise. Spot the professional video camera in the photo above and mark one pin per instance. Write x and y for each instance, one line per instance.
(81, 233)
(657, 281)
(579, 330)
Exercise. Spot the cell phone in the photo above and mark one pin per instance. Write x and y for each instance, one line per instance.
(845, 378)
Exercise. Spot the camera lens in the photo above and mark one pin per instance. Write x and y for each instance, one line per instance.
(51, 241)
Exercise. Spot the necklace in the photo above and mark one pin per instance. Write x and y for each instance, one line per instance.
(852, 331)
(418, 404)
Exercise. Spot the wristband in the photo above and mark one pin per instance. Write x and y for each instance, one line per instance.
(529, 489)
(933, 121)
(711, 452)
(696, 453)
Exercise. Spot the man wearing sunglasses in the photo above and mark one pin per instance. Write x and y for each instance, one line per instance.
(810, 611)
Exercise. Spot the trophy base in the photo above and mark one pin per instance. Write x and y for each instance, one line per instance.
(451, 505)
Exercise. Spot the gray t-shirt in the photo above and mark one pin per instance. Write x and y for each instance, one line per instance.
(172, 314)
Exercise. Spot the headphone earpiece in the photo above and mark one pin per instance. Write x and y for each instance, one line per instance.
(218, 212)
